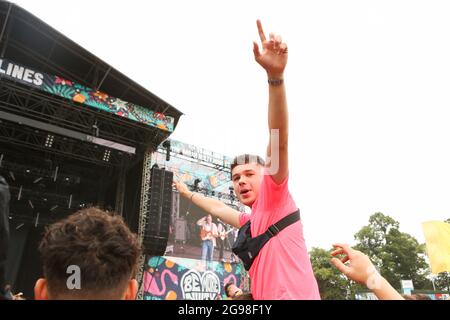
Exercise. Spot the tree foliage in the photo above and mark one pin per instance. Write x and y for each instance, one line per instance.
(333, 285)
(398, 255)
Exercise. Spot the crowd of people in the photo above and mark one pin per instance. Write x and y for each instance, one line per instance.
(92, 254)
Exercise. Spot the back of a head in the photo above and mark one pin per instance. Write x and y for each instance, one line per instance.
(99, 245)
(227, 286)
(244, 296)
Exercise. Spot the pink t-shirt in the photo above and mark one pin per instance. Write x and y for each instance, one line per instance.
(282, 270)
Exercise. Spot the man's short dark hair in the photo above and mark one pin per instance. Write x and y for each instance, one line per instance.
(227, 286)
(245, 159)
(244, 296)
(100, 244)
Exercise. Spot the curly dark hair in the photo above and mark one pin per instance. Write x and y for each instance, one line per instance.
(100, 244)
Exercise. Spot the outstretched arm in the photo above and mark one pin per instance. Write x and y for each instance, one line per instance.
(273, 58)
(212, 206)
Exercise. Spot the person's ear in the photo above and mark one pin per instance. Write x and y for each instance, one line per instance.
(41, 290)
(132, 289)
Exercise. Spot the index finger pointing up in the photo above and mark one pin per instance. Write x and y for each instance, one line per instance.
(260, 31)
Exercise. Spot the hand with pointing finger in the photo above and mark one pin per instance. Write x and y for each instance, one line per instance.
(358, 267)
(274, 54)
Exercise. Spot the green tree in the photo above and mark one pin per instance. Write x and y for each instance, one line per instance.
(333, 285)
(398, 255)
(442, 281)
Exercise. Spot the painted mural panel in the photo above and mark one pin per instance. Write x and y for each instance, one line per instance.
(86, 96)
(172, 278)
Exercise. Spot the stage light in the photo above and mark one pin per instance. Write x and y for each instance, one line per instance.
(95, 130)
(56, 174)
(49, 141)
(20, 193)
(37, 220)
(65, 132)
(106, 155)
(166, 144)
(196, 182)
(37, 180)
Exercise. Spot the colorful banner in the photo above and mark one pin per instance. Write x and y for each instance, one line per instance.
(172, 278)
(84, 95)
(437, 238)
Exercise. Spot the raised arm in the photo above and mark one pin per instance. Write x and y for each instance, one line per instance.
(212, 206)
(201, 221)
(361, 270)
(273, 58)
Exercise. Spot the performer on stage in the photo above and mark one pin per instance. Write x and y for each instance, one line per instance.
(208, 234)
(221, 229)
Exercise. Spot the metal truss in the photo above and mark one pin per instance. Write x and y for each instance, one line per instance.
(198, 155)
(37, 105)
(35, 173)
(144, 208)
(37, 140)
(43, 198)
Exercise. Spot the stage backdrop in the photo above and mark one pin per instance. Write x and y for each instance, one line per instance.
(171, 278)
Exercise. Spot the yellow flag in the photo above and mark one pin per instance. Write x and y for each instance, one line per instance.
(437, 237)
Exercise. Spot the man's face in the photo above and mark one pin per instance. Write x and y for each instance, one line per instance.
(208, 218)
(246, 182)
(233, 291)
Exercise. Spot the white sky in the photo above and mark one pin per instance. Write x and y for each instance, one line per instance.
(367, 83)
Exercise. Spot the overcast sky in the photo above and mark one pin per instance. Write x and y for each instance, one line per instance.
(368, 86)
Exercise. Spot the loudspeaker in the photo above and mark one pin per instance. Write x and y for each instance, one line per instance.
(181, 230)
(156, 232)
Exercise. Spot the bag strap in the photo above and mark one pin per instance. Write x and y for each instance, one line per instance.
(274, 229)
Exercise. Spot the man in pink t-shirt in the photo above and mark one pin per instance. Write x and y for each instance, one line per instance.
(282, 269)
